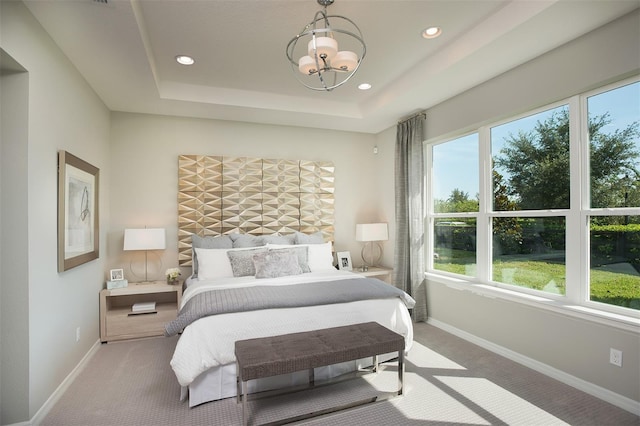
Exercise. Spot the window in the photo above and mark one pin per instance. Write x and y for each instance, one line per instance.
(614, 196)
(530, 158)
(454, 191)
(455, 196)
(530, 252)
(530, 171)
(553, 197)
(615, 255)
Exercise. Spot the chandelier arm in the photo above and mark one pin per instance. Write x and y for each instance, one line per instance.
(324, 88)
(324, 85)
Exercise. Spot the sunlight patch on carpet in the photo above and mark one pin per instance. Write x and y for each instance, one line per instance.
(424, 401)
(498, 401)
(423, 357)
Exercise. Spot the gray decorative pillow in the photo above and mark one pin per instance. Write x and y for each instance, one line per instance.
(316, 238)
(221, 242)
(276, 263)
(278, 239)
(242, 261)
(301, 253)
(244, 241)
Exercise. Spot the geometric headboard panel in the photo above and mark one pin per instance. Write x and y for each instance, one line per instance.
(220, 195)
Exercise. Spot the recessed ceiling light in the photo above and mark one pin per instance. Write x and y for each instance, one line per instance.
(364, 86)
(185, 60)
(432, 32)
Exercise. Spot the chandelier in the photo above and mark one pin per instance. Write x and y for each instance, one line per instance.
(320, 64)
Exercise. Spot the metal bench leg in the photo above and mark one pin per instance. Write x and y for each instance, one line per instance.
(400, 371)
(238, 390)
(244, 403)
(375, 363)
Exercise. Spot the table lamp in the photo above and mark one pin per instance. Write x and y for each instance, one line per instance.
(144, 239)
(371, 234)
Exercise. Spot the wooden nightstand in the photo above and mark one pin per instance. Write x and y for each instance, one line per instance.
(376, 271)
(117, 321)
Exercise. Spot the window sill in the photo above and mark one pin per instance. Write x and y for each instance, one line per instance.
(624, 322)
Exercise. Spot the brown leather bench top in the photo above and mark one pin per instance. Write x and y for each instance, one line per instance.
(274, 355)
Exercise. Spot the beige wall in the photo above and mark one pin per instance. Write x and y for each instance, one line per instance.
(63, 113)
(137, 156)
(145, 149)
(565, 343)
(385, 170)
(14, 294)
(575, 347)
(586, 63)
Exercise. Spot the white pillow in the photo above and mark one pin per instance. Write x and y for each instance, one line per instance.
(214, 263)
(320, 257)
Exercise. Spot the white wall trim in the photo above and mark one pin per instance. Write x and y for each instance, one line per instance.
(20, 424)
(60, 390)
(590, 388)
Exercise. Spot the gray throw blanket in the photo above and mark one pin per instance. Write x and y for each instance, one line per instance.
(230, 300)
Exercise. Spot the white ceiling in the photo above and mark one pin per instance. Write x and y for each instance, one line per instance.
(126, 48)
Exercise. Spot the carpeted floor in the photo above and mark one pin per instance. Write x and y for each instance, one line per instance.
(448, 381)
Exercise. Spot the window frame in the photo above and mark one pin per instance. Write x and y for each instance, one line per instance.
(576, 300)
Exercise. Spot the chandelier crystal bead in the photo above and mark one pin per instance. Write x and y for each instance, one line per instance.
(322, 66)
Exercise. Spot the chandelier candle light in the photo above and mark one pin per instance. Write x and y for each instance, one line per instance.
(323, 66)
(371, 233)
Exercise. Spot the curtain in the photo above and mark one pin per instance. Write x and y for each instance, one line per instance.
(409, 261)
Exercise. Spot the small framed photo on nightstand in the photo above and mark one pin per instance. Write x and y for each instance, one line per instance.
(117, 274)
(344, 261)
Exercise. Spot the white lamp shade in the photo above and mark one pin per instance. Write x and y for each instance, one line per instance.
(144, 239)
(372, 232)
(307, 65)
(345, 60)
(324, 46)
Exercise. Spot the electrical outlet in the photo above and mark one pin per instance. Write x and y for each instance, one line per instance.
(78, 334)
(615, 357)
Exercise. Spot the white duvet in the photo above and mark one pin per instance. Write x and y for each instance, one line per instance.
(210, 341)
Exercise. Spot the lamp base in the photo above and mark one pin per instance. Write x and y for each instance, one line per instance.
(372, 259)
(135, 265)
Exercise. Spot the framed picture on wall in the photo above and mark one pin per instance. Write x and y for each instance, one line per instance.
(344, 261)
(78, 224)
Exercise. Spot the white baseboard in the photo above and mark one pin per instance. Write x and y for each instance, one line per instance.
(55, 396)
(20, 424)
(618, 400)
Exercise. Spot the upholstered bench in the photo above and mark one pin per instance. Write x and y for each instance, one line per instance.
(288, 353)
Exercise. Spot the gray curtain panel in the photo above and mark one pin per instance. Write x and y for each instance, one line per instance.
(409, 261)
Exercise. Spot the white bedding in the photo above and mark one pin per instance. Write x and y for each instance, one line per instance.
(209, 342)
(198, 286)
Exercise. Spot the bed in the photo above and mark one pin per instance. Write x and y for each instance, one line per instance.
(288, 284)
